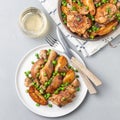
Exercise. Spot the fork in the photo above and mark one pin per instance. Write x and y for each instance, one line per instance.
(55, 43)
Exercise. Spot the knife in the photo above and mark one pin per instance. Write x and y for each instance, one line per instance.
(96, 81)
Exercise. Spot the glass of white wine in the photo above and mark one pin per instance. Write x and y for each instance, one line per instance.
(34, 22)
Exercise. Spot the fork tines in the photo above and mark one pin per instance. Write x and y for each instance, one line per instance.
(51, 41)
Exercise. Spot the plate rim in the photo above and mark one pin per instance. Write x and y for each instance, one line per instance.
(18, 93)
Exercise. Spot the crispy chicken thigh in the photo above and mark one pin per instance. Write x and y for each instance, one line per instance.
(66, 96)
(78, 23)
(105, 13)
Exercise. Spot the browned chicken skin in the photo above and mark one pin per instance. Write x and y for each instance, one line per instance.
(36, 67)
(105, 13)
(47, 70)
(66, 96)
(56, 82)
(77, 23)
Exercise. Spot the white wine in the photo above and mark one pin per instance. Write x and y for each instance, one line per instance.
(34, 22)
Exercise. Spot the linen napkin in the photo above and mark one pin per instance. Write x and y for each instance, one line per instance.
(87, 48)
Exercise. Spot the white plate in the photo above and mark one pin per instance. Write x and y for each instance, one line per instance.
(24, 65)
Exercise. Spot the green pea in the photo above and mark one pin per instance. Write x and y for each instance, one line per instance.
(78, 89)
(54, 62)
(115, 1)
(78, 19)
(32, 62)
(77, 76)
(56, 92)
(63, 74)
(79, 3)
(64, 3)
(74, 8)
(37, 104)
(45, 74)
(65, 22)
(27, 91)
(87, 8)
(64, 99)
(37, 75)
(114, 28)
(45, 60)
(37, 56)
(41, 91)
(48, 51)
(62, 88)
(50, 105)
(104, 1)
(98, 4)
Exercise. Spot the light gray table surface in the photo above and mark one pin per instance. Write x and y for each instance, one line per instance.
(14, 44)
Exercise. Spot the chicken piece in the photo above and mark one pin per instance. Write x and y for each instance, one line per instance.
(27, 82)
(36, 96)
(105, 29)
(83, 10)
(43, 54)
(70, 76)
(36, 67)
(105, 13)
(65, 9)
(56, 82)
(78, 23)
(61, 64)
(90, 5)
(64, 97)
(76, 83)
(46, 72)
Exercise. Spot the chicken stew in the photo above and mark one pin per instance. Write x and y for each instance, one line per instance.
(90, 18)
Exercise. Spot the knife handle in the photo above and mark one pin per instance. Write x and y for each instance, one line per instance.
(87, 82)
(96, 81)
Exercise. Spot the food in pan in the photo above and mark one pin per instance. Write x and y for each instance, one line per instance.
(51, 78)
(90, 18)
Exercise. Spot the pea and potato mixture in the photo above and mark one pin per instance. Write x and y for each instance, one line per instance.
(90, 18)
(51, 78)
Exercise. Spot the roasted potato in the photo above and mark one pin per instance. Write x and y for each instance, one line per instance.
(61, 64)
(105, 30)
(35, 95)
(70, 76)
